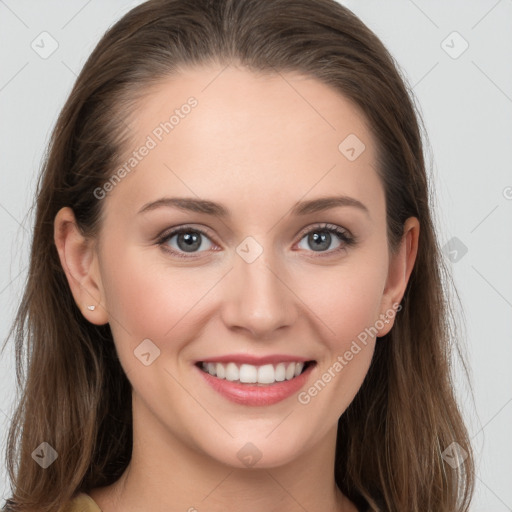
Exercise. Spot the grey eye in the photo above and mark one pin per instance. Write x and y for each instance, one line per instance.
(188, 240)
(319, 240)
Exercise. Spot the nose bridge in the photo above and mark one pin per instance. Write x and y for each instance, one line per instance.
(259, 300)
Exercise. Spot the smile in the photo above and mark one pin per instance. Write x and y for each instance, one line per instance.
(251, 374)
(255, 384)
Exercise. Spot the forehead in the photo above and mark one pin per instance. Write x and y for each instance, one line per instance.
(249, 137)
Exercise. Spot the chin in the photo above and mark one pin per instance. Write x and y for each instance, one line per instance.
(257, 451)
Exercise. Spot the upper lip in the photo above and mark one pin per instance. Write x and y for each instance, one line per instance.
(255, 360)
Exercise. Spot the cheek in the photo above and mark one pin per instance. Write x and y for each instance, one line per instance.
(345, 299)
(149, 299)
(347, 306)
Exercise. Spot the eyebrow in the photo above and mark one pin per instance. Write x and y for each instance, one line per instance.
(217, 210)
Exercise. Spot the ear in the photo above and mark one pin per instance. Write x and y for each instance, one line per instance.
(80, 263)
(400, 268)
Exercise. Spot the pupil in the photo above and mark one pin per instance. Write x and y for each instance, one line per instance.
(191, 241)
(321, 241)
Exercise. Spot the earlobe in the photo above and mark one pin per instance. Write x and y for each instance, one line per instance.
(400, 268)
(79, 262)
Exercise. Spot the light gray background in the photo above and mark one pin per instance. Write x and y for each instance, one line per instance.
(466, 104)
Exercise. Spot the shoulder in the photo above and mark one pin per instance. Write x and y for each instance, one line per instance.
(82, 503)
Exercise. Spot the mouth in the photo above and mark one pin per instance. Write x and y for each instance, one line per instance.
(262, 375)
(256, 384)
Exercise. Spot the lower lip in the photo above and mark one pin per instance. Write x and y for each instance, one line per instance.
(257, 395)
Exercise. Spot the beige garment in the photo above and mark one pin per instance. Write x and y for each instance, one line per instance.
(83, 503)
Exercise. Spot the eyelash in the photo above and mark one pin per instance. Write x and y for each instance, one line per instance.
(343, 235)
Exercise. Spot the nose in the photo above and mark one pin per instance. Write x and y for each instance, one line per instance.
(258, 298)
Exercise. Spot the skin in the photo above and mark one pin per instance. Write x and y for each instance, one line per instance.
(257, 145)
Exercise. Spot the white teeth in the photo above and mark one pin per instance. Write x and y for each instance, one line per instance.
(250, 374)
(290, 371)
(211, 368)
(280, 372)
(221, 371)
(232, 372)
(266, 374)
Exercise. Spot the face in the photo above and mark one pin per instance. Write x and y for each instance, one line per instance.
(269, 286)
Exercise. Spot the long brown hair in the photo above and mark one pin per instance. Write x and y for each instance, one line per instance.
(74, 393)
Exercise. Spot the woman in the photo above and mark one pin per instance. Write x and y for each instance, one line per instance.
(235, 295)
